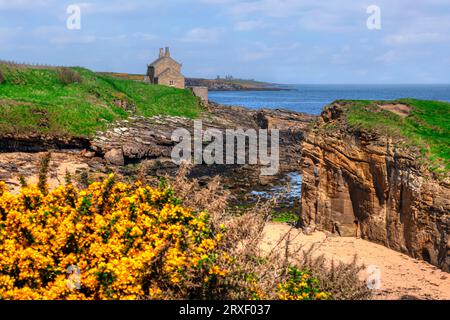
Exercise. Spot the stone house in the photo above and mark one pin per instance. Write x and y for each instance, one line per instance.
(165, 71)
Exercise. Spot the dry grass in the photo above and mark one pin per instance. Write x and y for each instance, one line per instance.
(212, 198)
(253, 267)
(341, 279)
(44, 167)
(68, 76)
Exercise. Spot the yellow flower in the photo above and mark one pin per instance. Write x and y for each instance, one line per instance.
(102, 240)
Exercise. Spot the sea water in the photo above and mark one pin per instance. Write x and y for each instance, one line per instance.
(312, 98)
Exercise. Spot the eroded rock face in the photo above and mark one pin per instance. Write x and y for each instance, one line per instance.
(38, 143)
(151, 138)
(284, 120)
(358, 180)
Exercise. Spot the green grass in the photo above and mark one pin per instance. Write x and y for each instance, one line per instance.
(33, 100)
(427, 127)
(285, 217)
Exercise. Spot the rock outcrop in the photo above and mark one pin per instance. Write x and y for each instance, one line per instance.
(150, 138)
(360, 180)
(143, 146)
(37, 142)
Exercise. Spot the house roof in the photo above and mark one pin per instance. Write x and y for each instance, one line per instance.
(157, 61)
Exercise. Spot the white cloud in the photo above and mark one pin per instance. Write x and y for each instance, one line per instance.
(255, 55)
(332, 15)
(45, 31)
(202, 35)
(24, 4)
(343, 56)
(216, 2)
(118, 37)
(271, 8)
(415, 38)
(144, 36)
(8, 34)
(61, 36)
(249, 25)
(107, 8)
(121, 37)
(68, 39)
(388, 57)
(341, 15)
(321, 20)
(260, 51)
(120, 7)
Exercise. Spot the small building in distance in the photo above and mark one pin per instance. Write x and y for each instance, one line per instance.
(165, 71)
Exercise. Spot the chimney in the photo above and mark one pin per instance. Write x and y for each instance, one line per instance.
(167, 52)
(161, 52)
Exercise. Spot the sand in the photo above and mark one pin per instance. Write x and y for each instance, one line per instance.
(399, 109)
(401, 277)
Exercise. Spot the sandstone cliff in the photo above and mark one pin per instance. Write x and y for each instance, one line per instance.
(366, 180)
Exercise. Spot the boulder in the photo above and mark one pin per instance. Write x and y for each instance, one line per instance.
(88, 154)
(115, 157)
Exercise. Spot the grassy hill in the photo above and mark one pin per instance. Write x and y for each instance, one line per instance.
(38, 100)
(426, 126)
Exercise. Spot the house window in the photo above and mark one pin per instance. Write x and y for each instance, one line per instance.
(172, 83)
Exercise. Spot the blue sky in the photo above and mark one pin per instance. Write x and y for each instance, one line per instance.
(284, 41)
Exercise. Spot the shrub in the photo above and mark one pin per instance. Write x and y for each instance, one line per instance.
(120, 241)
(2, 77)
(339, 279)
(267, 275)
(43, 173)
(68, 76)
(127, 241)
(301, 285)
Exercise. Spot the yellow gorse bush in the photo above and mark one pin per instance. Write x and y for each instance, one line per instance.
(110, 241)
(301, 285)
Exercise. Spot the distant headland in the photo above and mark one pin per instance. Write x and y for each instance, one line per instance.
(219, 84)
(167, 71)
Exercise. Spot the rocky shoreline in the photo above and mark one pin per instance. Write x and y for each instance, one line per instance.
(138, 144)
(347, 176)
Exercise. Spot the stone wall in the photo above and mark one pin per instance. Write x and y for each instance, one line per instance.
(202, 93)
(171, 78)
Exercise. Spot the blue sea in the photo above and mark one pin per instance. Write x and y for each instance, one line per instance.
(312, 98)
